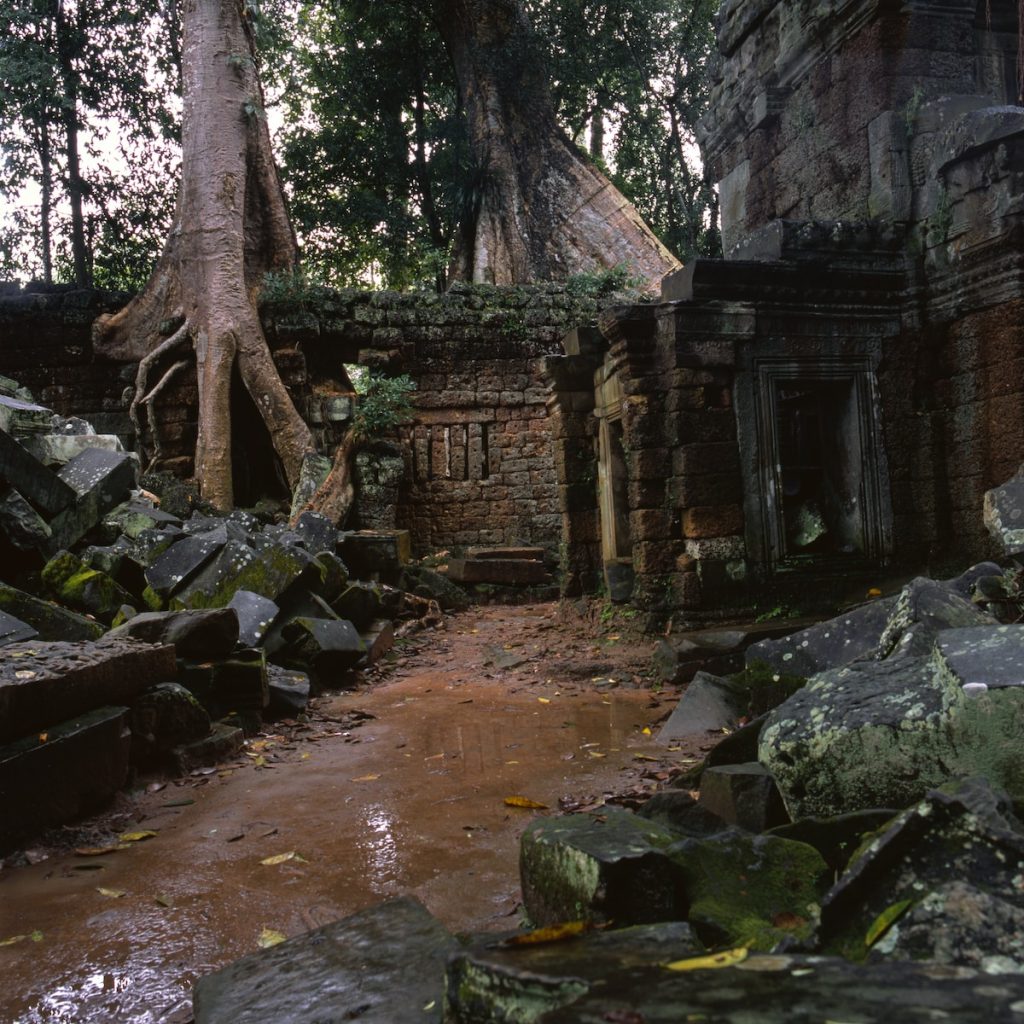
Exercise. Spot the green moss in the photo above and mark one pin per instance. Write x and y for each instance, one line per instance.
(153, 601)
(766, 687)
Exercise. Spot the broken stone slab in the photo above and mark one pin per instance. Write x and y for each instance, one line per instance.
(333, 575)
(59, 449)
(222, 742)
(119, 562)
(832, 644)
(578, 868)
(87, 590)
(238, 567)
(880, 734)
(54, 776)
(20, 523)
(384, 965)
(718, 651)
(182, 559)
(922, 611)
(165, 716)
(255, 613)
(24, 472)
(424, 582)
(325, 648)
(51, 621)
(13, 630)
(289, 691)
(21, 418)
(1004, 514)
(133, 517)
(783, 989)
(678, 811)
(377, 555)
(206, 633)
(836, 839)
(43, 682)
(378, 639)
(984, 656)
(238, 683)
(360, 603)
(754, 891)
(743, 795)
(316, 532)
(507, 571)
(102, 480)
(508, 984)
(966, 832)
(709, 704)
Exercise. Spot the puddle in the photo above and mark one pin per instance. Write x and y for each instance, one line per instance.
(413, 803)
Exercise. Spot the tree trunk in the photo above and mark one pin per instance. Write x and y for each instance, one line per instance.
(231, 227)
(541, 209)
(45, 200)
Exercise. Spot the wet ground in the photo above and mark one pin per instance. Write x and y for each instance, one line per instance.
(397, 787)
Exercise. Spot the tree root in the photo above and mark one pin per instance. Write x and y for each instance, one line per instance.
(141, 398)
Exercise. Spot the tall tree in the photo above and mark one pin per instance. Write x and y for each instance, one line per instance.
(231, 228)
(541, 209)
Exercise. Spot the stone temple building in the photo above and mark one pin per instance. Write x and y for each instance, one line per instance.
(834, 397)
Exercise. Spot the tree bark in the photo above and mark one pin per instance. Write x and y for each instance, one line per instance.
(541, 209)
(231, 228)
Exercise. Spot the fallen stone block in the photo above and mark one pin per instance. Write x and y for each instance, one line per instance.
(50, 620)
(384, 965)
(965, 833)
(577, 868)
(1004, 515)
(289, 691)
(238, 683)
(222, 742)
(709, 704)
(754, 891)
(836, 839)
(325, 648)
(882, 733)
(87, 590)
(42, 683)
(59, 449)
(424, 582)
(774, 989)
(21, 418)
(165, 716)
(507, 571)
(504, 983)
(26, 474)
(181, 560)
(743, 795)
(14, 631)
(333, 575)
(20, 523)
(719, 652)
(378, 640)
(206, 633)
(678, 811)
(360, 603)
(101, 480)
(255, 613)
(316, 532)
(527, 553)
(55, 775)
(133, 517)
(376, 554)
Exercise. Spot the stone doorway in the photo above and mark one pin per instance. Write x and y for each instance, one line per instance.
(613, 487)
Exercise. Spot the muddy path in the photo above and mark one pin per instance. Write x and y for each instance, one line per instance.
(396, 787)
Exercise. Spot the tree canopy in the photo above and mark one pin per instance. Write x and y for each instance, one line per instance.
(371, 132)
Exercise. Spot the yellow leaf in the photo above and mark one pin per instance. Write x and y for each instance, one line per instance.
(137, 837)
(727, 958)
(260, 762)
(543, 700)
(644, 757)
(374, 778)
(98, 851)
(595, 753)
(114, 894)
(646, 730)
(13, 940)
(269, 937)
(885, 920)
(43, 737)
(525, 802)
(874, 592)
(553, 933)
(279, 858)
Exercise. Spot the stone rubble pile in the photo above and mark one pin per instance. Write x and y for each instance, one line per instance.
(134, 637)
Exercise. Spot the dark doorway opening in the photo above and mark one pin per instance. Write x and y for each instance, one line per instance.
(256, 470)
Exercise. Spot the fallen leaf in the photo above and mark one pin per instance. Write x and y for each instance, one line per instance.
(644, 757)
(595, 753)
(373, 778)
(43, 737)
(727, 958)
(553, 933)
(98, 851)
(646, 730)
(524, 802)
(155, 787)
(163, 901)
(13, 940)
(137, 837)
(114, 894)
(269, 937)
(885, 920)
(279, 858)
(543, 700)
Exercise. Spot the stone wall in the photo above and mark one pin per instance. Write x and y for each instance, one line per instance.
(480, 464)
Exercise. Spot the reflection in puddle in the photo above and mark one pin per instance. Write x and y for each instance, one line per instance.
(380, 849)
